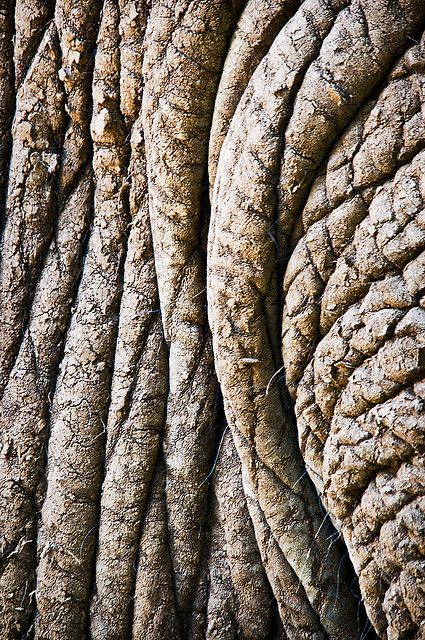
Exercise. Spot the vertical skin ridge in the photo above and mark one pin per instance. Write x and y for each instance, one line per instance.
(68, 531)
(140, 379)
(7, 96)
(125, 489)
(258, 25)
(297, 616)
(32, 17)
(135, 419)
(255, 165)
(24, 413)
(199, 613)
(134, 15)
(155, 611)
(30, 212)
(139, 308)
(252, 592)
(77, 29)
(221, 606)
(32, 378)
(184, 51)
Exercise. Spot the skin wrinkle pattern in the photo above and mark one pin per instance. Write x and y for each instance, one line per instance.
(330, 206)
(7, 98)
(258, 25)
(212, 335)
(376, 332)
(133, 432)
(73, 487)
(228, 145)
(297, 556)
(34, 370)
(24, 407)
(155, 613)
(180, 271)
(247, 575)
(37, 130)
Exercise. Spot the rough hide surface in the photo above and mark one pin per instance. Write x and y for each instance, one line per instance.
(212, 320)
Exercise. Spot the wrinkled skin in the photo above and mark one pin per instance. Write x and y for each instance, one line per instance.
(212, 278)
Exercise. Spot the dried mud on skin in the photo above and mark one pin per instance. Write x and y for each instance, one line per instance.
(212, 320)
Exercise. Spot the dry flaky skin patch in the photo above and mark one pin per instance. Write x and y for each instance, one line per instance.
(130, 506)
(361, 398)
(258, 25)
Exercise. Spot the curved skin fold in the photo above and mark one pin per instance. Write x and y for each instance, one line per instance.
(212, 320)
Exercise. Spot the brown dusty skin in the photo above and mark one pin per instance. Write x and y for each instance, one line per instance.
(252, 596)
(50, 151)
(179, 96)
(257, 27)
(25, 407)
(155, 614)
(32, 17)
(6, 91)
(385, 135)
(374, 32)
(77, 29)
(135, 419)
(132, 27)
(138, 394)
(79, 406)
(365, 397)
(221, 596)
(30, 211)
(27, 396)
(244, 348)
(212, 320)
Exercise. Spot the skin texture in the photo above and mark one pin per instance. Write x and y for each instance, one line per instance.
(393, 123)
(70, 511)
(30, 209)
(258, 25)
(247, 575)
(175, 169)
(155, 614)
(25, 409)
(247, 356)
(137, 404)
(212, 329)
(6, 89)
(379, 342)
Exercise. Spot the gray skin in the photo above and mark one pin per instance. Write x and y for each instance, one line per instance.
(212, 320)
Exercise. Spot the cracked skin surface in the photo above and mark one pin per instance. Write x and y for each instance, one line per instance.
(212, 332)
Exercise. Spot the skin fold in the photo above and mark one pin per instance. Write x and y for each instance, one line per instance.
(212, 325)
